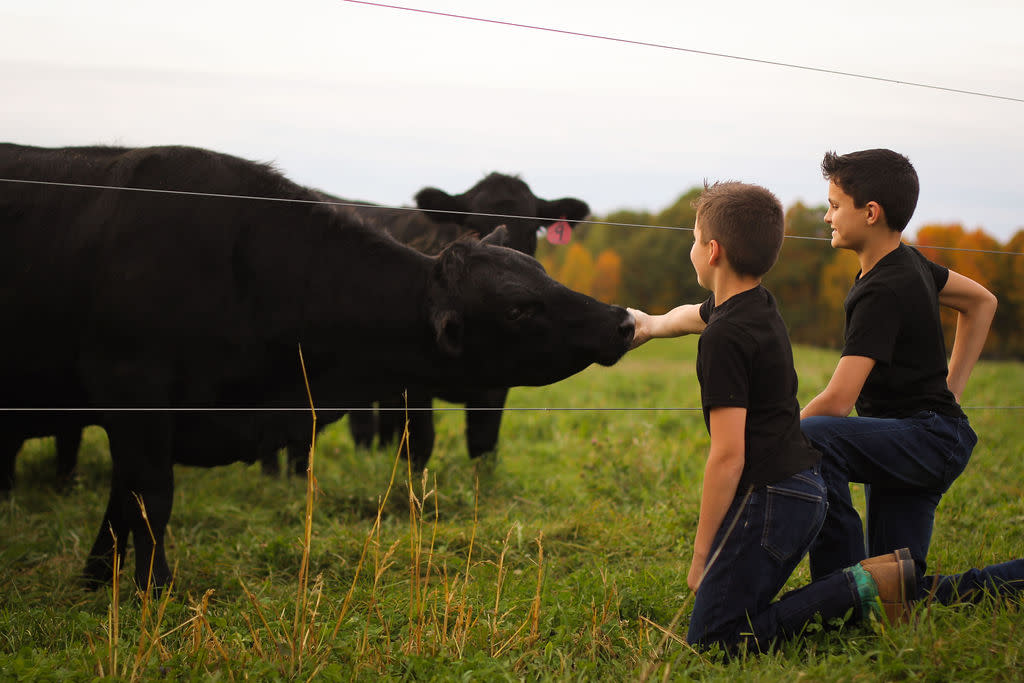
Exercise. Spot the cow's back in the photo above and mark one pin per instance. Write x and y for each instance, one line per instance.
(84, 268)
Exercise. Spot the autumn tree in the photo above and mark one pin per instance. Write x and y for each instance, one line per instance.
(578, 269)
(794, 278)
(836, 279)
(607, 277)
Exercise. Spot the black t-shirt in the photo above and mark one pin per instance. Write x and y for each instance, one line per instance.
(744, 360)
(892, 316)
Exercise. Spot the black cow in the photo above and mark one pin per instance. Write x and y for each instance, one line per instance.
(496, 200)
(142, 302)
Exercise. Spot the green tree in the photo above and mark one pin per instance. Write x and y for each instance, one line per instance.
(795, 277)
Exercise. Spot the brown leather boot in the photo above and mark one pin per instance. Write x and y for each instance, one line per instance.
(895, 577)
(895, 556)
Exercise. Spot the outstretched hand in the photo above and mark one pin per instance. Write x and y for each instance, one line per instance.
(642, 327)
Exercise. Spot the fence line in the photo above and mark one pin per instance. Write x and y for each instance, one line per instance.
(363, 205)
(677, 48)
(359, 409)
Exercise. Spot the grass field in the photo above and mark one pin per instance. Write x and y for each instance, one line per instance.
(564, 558)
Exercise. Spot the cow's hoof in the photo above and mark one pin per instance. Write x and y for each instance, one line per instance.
(66, 485)
(486, 464)
(97, 573)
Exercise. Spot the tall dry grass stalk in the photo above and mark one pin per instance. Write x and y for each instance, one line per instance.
(150, 622)
(442, 615)
(303, 622)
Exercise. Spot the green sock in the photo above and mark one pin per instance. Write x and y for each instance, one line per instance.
(867, 590)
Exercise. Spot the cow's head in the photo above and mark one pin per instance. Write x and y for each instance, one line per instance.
(509, 201)
(502, 321)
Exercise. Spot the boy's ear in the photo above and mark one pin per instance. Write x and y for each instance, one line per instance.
(714, 252)
(875, 213)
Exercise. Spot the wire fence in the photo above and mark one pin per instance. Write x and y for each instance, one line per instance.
(677, 48)
(364, 206)
(371, 207)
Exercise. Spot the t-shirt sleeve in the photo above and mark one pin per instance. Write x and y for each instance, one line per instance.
(725, 367)
(940, 274)
(706, 308)
(873, 325)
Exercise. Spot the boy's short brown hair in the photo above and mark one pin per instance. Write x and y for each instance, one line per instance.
(747, 220)
(876, 175)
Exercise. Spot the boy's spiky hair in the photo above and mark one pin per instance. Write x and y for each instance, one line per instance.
(747, 220)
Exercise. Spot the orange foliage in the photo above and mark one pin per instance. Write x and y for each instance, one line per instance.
(578, 270)
(939, 236)
(607, 276)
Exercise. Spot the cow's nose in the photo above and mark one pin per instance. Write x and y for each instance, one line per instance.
(627, 327)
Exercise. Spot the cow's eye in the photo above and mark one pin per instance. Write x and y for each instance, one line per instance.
(519, 312)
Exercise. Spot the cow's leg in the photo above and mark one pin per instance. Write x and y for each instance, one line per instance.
(142, 490)
(99, 567)
(148, 491)
(69, 439)
(421, 429)
(391, 419)
(298, 458)
(483, 421)
(9, 447)
(363, 425)
(270, 464)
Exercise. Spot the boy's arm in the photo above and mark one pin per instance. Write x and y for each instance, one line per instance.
(677, 322)
(839, 397)
(721, 477)
(976, 306)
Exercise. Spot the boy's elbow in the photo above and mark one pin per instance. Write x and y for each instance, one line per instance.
(836, 405)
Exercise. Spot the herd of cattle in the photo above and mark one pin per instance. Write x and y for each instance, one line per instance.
(141, 288)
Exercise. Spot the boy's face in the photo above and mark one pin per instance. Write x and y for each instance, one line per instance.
(699, 255)
(850, 227)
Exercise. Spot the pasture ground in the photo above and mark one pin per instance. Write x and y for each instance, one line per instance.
(564, 558)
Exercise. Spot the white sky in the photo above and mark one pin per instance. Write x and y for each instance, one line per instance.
(374, 104)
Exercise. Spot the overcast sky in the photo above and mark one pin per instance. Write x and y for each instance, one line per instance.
(373, 104)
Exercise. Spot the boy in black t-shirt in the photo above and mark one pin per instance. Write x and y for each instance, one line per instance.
(763, 498)
(910, 439)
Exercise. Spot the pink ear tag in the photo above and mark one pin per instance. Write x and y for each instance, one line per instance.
(559, 232)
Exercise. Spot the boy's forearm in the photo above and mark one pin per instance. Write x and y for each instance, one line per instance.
(721, 478)
(976, 307)
(840, 396)
(680, 321)
(971, 331)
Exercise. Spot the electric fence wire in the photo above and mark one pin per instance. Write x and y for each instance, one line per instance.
(371, 207)
(677, 48)
(360, 205)
(493, 215)
(357, 409)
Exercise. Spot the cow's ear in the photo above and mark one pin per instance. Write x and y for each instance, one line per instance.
(498, 237)
(448, 331)
(569, 208)
(437, 203)
(452, 264)
(446, 299)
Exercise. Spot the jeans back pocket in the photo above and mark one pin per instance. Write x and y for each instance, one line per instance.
(794, 512)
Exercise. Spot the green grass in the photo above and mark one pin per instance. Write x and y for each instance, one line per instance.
(563, 559)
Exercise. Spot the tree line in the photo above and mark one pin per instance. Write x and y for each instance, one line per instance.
(650, 269)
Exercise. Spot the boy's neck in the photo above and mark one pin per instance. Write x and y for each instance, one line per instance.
(884, 242)
(728, 284)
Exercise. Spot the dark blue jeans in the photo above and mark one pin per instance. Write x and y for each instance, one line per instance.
(763, 537)
(974, 585)
(907, 464)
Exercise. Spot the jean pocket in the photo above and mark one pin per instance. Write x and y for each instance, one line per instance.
(793, 518)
